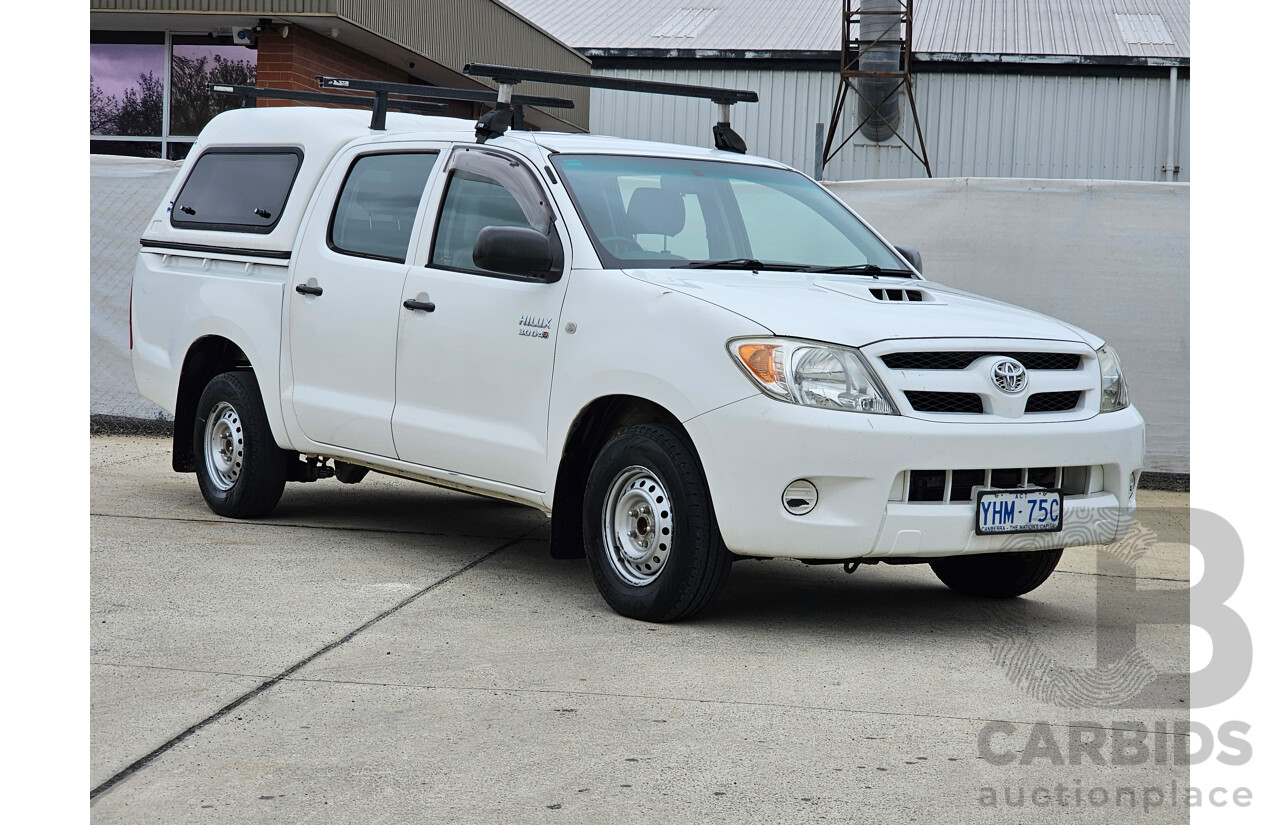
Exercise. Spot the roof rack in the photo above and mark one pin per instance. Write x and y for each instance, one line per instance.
(250, 95)
(382, 89)
(496, 122)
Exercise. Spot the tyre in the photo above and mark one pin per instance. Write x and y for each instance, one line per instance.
(240, 469)
(997, 575)
(651, 536)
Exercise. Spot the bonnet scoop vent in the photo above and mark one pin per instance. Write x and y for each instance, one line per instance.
(893, 294)
(881, 292)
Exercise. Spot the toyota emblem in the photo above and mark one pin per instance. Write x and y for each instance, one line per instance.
(1009, 376)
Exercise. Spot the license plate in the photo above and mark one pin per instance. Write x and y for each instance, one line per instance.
(1019, 511)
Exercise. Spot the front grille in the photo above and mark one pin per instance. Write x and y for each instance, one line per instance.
(962, 360)
(960, 485)
(1052, 402)
(945, 402)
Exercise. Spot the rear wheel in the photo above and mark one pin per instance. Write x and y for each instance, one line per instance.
(652, 540)
(240, 469)
(997, 575)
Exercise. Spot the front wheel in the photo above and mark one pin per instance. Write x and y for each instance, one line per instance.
(997, 575)
(240, 468)
(652, 541)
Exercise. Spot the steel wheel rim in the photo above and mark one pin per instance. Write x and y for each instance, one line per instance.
(637, 525)
(223, 446)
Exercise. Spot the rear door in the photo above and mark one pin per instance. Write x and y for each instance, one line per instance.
(344, 303)
(473, 375)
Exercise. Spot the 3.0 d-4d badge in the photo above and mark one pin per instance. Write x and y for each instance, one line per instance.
(535, 327)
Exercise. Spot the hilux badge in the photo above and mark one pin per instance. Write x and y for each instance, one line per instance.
(532, 326)
(1009, 376)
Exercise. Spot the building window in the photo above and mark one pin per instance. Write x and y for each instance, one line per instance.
(148, 91)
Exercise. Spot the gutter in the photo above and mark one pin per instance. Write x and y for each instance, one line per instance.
(921, 60)
(1170, 157)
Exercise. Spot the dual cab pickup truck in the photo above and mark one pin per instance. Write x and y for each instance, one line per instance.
(686, 356)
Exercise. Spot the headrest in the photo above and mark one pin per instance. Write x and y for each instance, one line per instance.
(656, 212)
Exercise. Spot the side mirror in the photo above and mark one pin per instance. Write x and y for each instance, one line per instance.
(911, 254)
(514, 250)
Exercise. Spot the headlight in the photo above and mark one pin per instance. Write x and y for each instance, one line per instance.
(814, 375)
(1115, 393)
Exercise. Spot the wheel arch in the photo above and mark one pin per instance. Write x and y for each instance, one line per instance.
(205, 358)
(591, 429)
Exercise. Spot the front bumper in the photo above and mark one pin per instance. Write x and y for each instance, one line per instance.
(752, 449)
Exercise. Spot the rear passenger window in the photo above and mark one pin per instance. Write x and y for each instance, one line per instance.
(236, 190)
(378, 203)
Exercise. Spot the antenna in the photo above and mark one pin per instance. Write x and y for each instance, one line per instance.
(250, 95)
(507, 77)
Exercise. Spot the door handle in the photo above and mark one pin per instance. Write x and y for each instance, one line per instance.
(423, 305)
(304, 289)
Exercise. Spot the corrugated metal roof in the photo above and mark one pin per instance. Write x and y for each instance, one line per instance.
(1058, 27)
(1088, 28)
(684, 23)
(794, 25)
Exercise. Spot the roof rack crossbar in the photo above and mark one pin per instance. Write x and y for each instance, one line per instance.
(511, 75)
(495, 123)
(439, 92)
(508, 108)
(250, 95)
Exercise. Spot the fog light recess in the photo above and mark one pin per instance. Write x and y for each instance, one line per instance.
(800, 497)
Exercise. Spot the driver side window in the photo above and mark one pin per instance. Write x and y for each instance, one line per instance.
(472, 202)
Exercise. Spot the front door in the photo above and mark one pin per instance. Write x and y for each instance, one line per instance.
(344, 303)
(473, 375)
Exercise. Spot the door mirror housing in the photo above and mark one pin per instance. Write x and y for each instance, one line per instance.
(516, 250)
(912, 255)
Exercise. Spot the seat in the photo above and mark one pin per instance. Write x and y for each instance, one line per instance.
(655, 211)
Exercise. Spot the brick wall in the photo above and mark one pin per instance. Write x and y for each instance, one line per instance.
(293, 62)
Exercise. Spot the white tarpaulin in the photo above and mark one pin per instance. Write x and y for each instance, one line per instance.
(123, 195)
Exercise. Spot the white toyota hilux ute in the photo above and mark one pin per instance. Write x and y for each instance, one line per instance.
(686, 356)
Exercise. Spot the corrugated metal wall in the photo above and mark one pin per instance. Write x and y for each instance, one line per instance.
(975, 125)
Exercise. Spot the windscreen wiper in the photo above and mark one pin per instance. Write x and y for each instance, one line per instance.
(860, 269)
(740, 263)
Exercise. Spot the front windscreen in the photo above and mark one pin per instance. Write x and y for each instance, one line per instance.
(656, 212)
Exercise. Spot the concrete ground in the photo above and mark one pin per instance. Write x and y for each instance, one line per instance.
(391, 652)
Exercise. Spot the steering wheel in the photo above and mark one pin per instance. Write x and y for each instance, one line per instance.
(620, 244)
